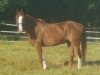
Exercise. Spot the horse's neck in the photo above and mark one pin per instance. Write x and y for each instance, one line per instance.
(30, 32)
(34, 30)
(33, 34)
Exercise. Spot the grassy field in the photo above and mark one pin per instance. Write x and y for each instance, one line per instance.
(20, 58)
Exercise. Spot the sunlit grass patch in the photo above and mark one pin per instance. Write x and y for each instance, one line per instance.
(20, 58)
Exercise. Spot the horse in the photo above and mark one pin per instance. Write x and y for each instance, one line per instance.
(41, 34)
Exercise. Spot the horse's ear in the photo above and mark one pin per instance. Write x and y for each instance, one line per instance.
(22, 11)
(17, 11)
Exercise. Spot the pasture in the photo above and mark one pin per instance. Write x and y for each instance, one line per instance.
(20, 58)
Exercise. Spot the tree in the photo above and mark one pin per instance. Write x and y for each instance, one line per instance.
(83, 11)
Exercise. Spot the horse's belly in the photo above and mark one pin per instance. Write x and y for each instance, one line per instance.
(51, 41)
(53, 36)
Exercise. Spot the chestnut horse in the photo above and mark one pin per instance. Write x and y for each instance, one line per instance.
(41, 33)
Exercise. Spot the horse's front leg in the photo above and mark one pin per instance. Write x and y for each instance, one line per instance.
(40, 55)
(39, 52)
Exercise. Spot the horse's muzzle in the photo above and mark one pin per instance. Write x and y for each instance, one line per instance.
(20, 31)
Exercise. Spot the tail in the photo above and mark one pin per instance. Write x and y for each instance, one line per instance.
(84, 45)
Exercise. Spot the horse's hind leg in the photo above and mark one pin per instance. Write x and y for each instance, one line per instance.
(78, 52)
(71, 53)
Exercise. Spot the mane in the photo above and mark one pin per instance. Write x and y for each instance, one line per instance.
(31, 17)
(34, 19)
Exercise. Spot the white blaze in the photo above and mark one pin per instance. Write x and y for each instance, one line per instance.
(20, 23)
(79, 63)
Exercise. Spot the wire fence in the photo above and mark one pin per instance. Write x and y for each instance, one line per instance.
(93, 34)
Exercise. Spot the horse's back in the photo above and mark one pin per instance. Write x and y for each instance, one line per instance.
(71, 25)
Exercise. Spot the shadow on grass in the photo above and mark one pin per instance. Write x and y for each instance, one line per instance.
(53, 65)
(97, 62)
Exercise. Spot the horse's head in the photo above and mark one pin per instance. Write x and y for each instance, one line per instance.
(19, 20)
(27, 23)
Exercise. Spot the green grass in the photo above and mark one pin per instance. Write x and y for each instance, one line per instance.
(20, 58)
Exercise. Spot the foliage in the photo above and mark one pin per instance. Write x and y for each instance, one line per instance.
(84, 11)
(3, 4)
